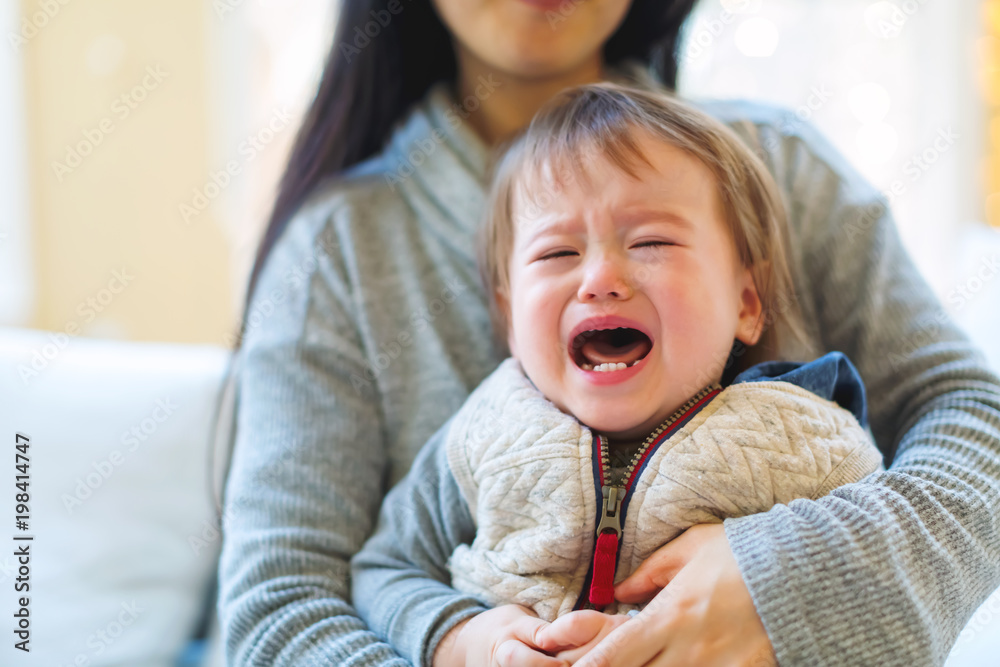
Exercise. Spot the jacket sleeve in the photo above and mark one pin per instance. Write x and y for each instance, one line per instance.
(887, 570)
(400, 580)
(305, 481)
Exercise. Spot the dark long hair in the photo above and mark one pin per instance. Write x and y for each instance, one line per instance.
(367, 87)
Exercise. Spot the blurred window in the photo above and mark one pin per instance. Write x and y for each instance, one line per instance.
(894, 86)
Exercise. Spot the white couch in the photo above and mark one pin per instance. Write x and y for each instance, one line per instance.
(123, 518)
(122, 505)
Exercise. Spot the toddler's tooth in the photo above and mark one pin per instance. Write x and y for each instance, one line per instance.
(622, 365)
(587, 367)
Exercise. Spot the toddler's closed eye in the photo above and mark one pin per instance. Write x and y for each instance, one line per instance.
(559, 253)
(653, 244)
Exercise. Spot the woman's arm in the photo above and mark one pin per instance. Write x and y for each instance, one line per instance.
(400, 578)
(885, 571)
(306, 478)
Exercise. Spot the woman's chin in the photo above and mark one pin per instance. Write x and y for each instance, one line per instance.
(535, 63)
(537, 52)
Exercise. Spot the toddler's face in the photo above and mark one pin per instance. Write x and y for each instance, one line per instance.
(626, 296)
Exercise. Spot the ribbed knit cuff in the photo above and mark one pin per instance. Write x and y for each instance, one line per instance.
(451, 619)
(863, 461)
(771, 560)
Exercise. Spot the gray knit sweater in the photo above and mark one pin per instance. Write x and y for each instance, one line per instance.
(507, 496)
(369, 328)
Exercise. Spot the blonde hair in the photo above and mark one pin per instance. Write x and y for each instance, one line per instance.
(603, 118)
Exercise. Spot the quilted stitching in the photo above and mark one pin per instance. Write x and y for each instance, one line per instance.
(525, 468)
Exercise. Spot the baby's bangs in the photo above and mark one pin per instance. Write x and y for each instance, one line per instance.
(547, 163)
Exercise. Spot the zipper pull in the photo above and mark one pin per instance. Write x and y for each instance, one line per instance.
(609, 530)
(611, 515)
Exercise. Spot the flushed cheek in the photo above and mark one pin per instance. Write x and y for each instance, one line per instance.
(541, 320)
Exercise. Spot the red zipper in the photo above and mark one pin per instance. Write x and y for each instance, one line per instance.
(609, 525)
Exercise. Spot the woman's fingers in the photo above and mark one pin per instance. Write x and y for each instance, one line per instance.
(523, 646)
(515, 653)
(632, 644)
(574, 629)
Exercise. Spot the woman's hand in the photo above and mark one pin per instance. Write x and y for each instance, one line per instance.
(700, 613)
(573, 635)
(505, 636)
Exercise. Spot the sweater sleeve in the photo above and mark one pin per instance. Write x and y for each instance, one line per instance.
(305, 481)
(400, 579)
(887, 570)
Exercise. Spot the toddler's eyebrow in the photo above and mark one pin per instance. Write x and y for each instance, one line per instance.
(635, 217)
(559, 226)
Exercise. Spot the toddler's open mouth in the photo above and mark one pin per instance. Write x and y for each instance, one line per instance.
(606, 350)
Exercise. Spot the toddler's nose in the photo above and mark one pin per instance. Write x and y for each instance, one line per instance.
(605, 278)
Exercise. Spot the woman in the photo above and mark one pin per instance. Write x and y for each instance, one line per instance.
(366, 328)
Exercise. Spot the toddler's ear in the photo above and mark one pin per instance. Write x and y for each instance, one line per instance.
(751, 324)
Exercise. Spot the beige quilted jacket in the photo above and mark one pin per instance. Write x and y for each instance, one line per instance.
(526, 470)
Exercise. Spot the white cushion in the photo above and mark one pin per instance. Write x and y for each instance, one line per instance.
(120, 494)
(979, 643)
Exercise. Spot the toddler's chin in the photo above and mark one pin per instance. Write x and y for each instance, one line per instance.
(614, 428)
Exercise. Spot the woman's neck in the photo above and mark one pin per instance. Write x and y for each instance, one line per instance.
(507, 103)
